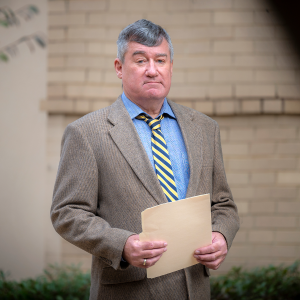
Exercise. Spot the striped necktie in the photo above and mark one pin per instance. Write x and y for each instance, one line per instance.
(161, 158)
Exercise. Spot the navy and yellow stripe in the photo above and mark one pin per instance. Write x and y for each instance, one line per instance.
(161, 158)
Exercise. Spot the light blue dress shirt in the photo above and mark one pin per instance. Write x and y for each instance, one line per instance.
(173, 137)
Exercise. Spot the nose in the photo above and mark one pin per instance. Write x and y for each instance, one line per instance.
(151, 70)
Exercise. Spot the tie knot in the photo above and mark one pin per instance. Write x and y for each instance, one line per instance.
(153, 123)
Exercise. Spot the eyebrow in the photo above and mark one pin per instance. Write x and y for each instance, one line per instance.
(143, 52)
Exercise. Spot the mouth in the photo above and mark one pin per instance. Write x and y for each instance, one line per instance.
(152, 82)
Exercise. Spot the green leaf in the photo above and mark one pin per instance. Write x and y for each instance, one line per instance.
(34, 9)
(3, 57)
(4, 23)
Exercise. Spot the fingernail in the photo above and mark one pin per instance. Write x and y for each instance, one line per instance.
(165, 244)
(197, 252)
(165, 249)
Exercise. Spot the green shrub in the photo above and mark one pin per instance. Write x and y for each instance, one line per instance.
(69, 283)
(57, 283)
(269, 283)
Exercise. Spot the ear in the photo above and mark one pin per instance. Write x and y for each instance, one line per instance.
(118, 68)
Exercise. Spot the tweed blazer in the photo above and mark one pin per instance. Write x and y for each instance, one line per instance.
(105, 180)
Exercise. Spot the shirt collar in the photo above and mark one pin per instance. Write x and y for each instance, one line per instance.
(135, 110)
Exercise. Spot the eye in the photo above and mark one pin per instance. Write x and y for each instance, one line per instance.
(161, 61)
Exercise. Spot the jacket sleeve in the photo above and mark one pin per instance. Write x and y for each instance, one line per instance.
(75, 201)
(224, 212)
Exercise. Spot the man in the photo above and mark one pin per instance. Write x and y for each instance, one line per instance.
(139, 152)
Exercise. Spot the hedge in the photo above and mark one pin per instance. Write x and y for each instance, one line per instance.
(69, 283)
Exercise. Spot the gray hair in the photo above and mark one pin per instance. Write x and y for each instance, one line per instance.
(143, 32)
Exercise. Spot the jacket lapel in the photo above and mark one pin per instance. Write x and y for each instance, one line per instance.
(193, 140)
(128, 141)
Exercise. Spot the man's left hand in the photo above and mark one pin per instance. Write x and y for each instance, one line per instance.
(213, 255)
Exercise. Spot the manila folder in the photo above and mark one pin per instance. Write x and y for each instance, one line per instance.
(185, 225)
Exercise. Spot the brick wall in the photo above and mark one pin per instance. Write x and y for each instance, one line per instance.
(233, 61)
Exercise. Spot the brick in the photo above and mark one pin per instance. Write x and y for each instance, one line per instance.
(99, 104)
(263, 178)
(90, 91)
(200, 32)
(243, 207)
(185, 92)
(66, 76)
(289, 178)
(263, 164)
(241, 237)
(254, 61)
(88, 62)
(95, 76)
(178, 77)
(58, 106)
(112, 34)
(56, 6)
(56, 90)
(87, 5)
(86, 33)
(56, 34)
(111, 77)
(232, 75)
(197, 76)
(68, 248)
(117, 5)
(199, 18)
(136, 5)
(221, 91)
(165, 19)
(276, 192)
(288, 148)
(276, 133)
(246, 4)
(251, 106)
(275, 222)
(113, 19)
(233, 46)
(289, 207)
(66, 48)
(287, 236)
(262, 17)
(56, 62)
(271, 46)
(244, 134)
(189, 104)
(275, 76)
(242, 193)
(281, 33)
(262, 148)
(235, 148)
(254, 32)
(287, 61)
(82, 106)
(225, 107)
(66, 20)
(236, 178)
(289, 91)
(233, 17)
(272, 106)
(241, 251)
(206, 107)
(191, 47)
(284, 251)
(224, 134)
(262, 207)
(211, 4)
(256, 90)
(246, 222)
(177, 5)
(203, 61)
(261, 236)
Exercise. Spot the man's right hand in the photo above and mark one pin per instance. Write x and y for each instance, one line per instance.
(135, 251)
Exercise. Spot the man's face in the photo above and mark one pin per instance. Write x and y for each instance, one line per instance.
(146, 72)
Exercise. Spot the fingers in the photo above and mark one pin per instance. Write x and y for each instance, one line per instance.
(135, 251)
(213, 255)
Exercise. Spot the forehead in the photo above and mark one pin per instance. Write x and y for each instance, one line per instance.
(134, 47)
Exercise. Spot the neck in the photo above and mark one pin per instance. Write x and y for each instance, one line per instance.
(151, 107)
